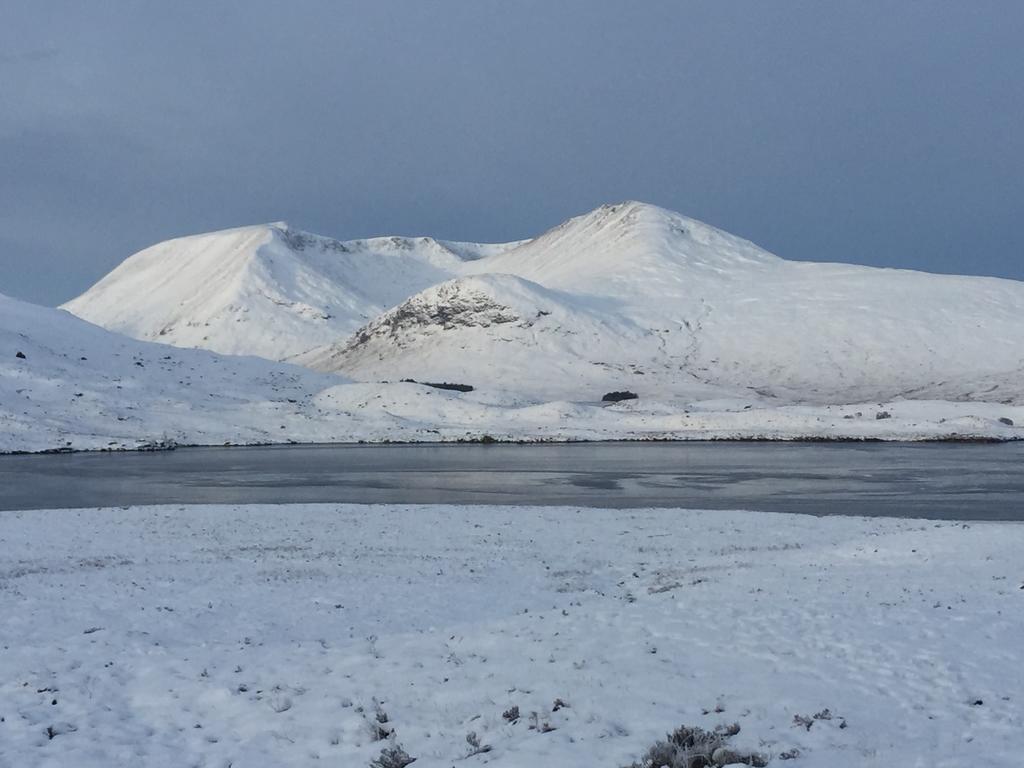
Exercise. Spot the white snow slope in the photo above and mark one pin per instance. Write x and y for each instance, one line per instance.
(687, 308)
(283, 635)
(629, 296)
(78, 386)
(266, 290)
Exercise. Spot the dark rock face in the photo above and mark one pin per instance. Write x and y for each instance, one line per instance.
(882, 415)
(20, 355)
(1006, 421)
(615, 397)
(301, 241)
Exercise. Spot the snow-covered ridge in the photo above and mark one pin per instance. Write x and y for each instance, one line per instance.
(275, 291)
(268, 290)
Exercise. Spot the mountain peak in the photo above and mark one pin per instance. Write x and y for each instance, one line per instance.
(634, 208)
(630, 248)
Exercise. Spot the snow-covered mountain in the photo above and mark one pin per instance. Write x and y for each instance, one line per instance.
(686, 308)
(266, 290)
(628, 296)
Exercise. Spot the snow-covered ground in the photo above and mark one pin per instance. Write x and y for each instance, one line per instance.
(81, 387)
(322, 635)
(65, 383)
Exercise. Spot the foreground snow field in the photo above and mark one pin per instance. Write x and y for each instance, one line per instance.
(284, 636)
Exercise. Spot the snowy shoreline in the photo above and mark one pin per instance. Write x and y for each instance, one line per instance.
(256, 635)
(487, 440)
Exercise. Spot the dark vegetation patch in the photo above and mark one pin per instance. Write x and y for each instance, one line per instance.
(441, 385)
(615, 397)
(688, 747)
(392, 757)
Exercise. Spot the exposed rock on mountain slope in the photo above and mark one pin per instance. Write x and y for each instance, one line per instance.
(535, 342)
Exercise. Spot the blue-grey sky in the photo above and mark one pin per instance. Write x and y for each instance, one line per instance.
(879, 133)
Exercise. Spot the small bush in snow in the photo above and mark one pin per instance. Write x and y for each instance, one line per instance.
(392, 757)
(380, 727)
(536, 724)
(689, 747)
(475, 747)
(803, 721)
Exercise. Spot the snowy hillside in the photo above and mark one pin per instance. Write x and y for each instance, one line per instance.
(690, 309)
(64, 382)
(265, 290)
(535, 342)
(67, 384)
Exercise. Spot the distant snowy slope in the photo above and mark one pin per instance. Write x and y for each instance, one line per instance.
(498, 330)
(266, 290)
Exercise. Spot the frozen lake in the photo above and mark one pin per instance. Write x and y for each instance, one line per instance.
(942, 481)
